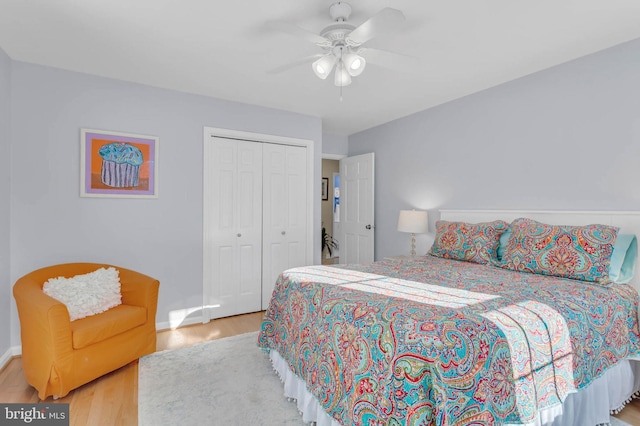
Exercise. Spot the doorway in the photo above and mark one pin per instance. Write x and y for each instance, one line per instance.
(353, 204)
(330, 211)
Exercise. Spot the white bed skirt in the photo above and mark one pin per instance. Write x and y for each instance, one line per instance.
(589, 407)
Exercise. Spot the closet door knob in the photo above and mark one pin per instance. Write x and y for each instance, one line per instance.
(283, 232)
(239, 234)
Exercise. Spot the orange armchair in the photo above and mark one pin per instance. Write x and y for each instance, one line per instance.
(59, 355)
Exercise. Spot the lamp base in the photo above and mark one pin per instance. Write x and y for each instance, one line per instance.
(413, 245)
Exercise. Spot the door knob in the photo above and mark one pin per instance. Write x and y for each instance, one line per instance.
(239, 234)
(283, 232)
(368, 226)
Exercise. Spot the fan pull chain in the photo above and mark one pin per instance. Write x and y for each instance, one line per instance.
(339, 68)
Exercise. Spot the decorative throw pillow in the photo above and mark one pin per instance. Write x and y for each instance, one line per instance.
(471, 242)
(504, 239)
(87, 294)
(623, 259)
(577, 252)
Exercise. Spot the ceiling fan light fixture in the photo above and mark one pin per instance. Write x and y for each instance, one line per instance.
(323, 66)
(354, 64)
(342, 42)
(342, 77)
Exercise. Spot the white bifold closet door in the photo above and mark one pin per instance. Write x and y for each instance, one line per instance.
(255, 221)
(233, 230)
(284, 213)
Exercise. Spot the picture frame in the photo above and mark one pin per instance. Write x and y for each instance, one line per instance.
(118, 165)
(325, 189)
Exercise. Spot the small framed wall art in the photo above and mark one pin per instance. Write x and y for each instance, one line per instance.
(325, 189)
(118, 165)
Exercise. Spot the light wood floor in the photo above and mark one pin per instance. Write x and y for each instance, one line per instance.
(113, 399)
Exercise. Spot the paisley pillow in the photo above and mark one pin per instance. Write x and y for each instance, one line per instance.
(471, 242)
(577, 252)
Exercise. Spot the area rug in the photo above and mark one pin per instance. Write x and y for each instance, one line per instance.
(616, 422)
(222, 382)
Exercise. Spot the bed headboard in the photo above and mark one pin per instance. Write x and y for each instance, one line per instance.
(629, 222)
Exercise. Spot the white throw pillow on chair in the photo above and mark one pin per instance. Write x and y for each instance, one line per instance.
(87, 294)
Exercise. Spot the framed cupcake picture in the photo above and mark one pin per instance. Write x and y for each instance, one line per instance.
(118, 165)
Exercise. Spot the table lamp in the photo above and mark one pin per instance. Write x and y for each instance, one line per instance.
(415, 222)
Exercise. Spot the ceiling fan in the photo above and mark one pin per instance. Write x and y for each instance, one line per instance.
(342, 43)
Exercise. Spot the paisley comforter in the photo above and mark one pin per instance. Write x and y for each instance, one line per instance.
(442, 342)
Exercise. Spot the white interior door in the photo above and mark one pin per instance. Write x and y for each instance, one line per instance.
(356, 209)
(285, 213)
(232, 227)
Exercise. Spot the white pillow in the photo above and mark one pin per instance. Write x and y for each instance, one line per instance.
(88, 294)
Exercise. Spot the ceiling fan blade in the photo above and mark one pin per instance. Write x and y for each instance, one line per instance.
(388, 59)
(305, 60)
(295, 30)
(385, 20)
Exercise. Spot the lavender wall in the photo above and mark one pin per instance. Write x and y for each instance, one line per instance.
(564, 138)
(161, 237)
(5, 200)
(335, 144)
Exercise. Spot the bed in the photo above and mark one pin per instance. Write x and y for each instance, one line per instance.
(437, 340)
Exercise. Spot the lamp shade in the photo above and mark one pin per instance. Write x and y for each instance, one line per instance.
(413, 221)
(354, 64)
(342, 77)
(323, 66)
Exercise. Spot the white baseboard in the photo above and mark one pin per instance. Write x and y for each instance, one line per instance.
(166, 325)
(10, 353)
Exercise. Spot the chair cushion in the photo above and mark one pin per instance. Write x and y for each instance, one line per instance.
(96, 328)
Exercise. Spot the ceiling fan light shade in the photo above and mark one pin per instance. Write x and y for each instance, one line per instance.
(342, 77)
(323, 66)
(354, 64)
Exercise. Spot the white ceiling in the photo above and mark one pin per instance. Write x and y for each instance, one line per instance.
(224, 49)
